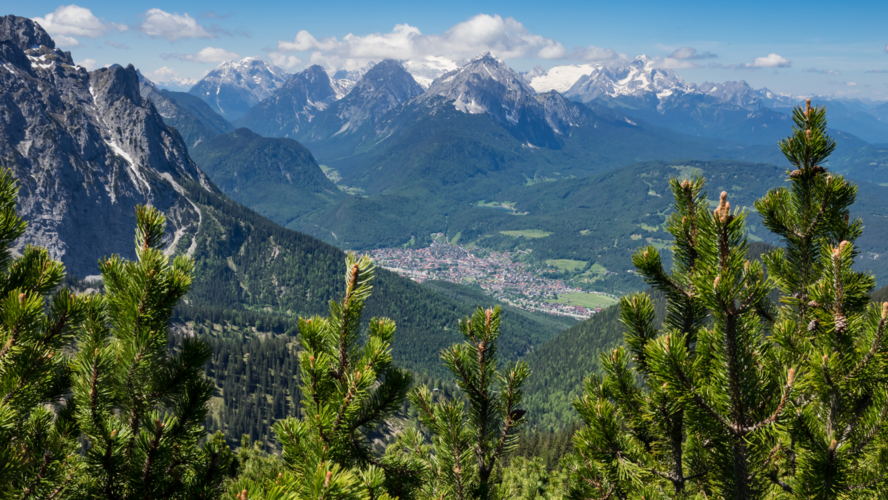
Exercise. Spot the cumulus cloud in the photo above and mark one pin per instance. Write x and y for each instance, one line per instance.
(822, 71)
(772, 60)
(505, 37)
(886, 47)
(690, 53)
(70, 21)
(160, 24)
(595, 54)
(169, 77)
(89, 64)
(205, 55)
(284, 60)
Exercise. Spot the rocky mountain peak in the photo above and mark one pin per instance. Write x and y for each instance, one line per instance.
(386, 85)
(24, 33)
(116, 82)
(293, 106)
(483, 85)
(391, 76)
(636, 78)
(86, 148)
(236, 86)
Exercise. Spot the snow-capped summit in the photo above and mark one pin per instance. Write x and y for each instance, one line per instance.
(293, 106)
(486, 84)
(235, 86)
(635, 78)
(425, 70)
(559, 78)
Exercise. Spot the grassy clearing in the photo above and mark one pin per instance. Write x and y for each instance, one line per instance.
(649, 228)
(566, 264)
(687, 172)
(591, 300)
(526, 233)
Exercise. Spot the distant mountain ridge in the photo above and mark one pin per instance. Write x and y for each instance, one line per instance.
(236, 86)
(191, 116)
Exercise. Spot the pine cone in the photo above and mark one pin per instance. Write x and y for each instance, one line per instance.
(817, 169)
(841, 324)
(813, 303)
(795, 174)
(813, 325)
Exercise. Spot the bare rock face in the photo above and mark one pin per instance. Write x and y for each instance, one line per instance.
(86, 149)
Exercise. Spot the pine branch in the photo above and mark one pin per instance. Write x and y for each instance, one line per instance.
(875, 347)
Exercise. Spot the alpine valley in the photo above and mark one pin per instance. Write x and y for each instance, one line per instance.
(547, 193)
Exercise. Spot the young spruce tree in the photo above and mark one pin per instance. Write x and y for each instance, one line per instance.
(348, 389)
(469, 437)
(37, 430)
(140, 408)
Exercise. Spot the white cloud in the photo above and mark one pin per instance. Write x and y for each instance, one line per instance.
(690, 53)
(89, 64)
(284, 61)
(69, 21)
(822, 71)
(672, 63)
(772, 60)
(595, 54)
(886, 47)
(162, 24)
(505, 37)
(205, 55)
(851, 84)
(169, 77)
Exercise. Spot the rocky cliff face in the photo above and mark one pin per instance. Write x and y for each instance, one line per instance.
(382, 88)
(85, 148)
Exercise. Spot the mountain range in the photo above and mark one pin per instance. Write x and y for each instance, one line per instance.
(86, 148)
(421, 161)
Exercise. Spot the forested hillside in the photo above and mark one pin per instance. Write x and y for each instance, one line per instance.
(278, 178)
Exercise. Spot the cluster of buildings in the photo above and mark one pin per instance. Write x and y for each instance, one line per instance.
(498, 274)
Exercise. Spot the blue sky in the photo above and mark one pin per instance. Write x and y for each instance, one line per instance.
(790, 46)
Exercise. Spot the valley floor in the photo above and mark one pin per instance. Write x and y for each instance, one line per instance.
(499, 274)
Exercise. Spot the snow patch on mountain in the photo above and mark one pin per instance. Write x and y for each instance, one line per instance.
(426, 70)
(559, 78)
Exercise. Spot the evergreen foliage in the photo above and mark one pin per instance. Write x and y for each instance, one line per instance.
(37, 429)
(140, 409)
(469, 436)
(348, 389)
(732, 398)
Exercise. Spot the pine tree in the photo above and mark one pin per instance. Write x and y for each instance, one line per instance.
(470, 436)
(37, 430)
(835, 445)
(139, 407)
(732, 398)
(348, 390)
